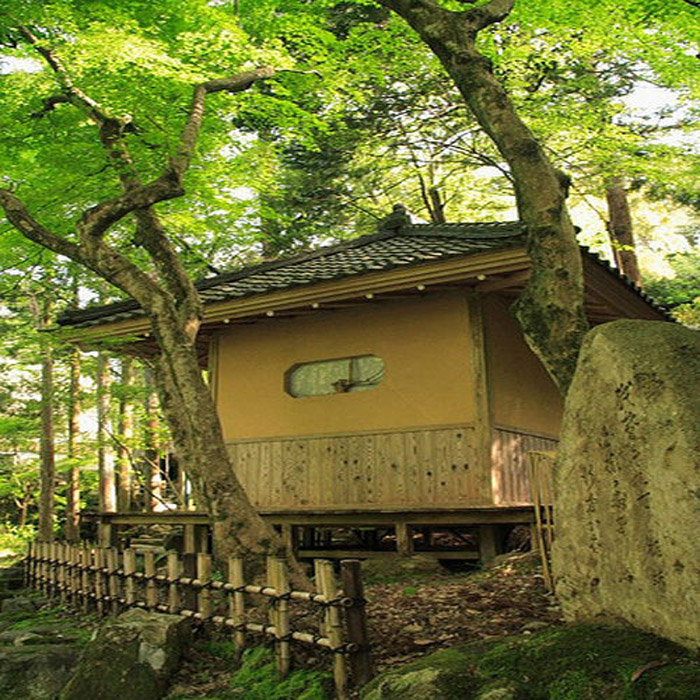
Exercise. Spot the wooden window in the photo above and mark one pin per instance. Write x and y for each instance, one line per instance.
(337, 376)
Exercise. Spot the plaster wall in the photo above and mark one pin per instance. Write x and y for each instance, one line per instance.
(521, 393)
(424, 345)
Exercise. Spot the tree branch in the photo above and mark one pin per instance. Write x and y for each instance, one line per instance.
(98, 257)
(491, 13)
(190, 133)
(18, 215)
(49, 105)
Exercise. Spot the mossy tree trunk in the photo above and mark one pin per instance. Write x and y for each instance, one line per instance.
(550, 311)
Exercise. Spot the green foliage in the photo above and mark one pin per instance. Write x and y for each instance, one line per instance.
(16, 539)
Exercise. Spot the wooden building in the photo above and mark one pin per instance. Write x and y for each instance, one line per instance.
(381, 385)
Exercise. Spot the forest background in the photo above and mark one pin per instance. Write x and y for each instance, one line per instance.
(359, 116)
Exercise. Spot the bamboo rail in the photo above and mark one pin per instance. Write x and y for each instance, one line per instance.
(106, 580)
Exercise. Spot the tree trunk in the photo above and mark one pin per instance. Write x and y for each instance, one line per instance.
(437, 211)
(72, 449)
(126, 434)
(105, 454)
(72, 525)
(621, 230)
(199, 443)
(41, 311)
(152, 480)
(550, 310)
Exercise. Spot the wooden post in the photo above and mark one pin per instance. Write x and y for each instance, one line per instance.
(288, 539)
(189, 542)
(488, 545)
(481, 398)
(173, 590)
(130, 581)
(356, 621)
(334, 626)
(112, 556)
(149, 570)
(404, 540)
(204, 575)
(237, 603)
(201, 537)
(189, 570)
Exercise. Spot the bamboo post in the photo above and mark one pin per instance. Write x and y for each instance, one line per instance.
(66, 577)
(204, 575)
(283, 627)
(77, 576)
(356, 621)
(112, 556)
(149, 570)
(59, 571)
(50, 570)
(99, 590)
(334, 626)
(189, 570)
(85, 577)
(537, 505)
(237, 603)
(70, 574)
(130, 581)
(173, 590)
(28, 566)
(41, 567)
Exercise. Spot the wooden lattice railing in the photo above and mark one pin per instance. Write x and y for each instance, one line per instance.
(107, 580)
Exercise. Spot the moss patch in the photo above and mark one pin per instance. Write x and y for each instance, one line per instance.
(581, 662)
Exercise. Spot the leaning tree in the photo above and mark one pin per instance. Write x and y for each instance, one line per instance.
(550, 310)
(147, 267)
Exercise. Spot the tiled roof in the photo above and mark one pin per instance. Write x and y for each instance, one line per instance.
(409, 245)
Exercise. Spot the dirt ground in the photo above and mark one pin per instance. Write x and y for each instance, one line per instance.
(416, 615)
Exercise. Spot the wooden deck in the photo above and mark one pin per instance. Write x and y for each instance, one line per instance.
(374, 532)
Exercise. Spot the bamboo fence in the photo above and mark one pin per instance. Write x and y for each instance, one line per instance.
(541, 468)
(107, 580)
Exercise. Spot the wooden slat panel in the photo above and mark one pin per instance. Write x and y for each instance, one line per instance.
(510, 448)
(412, 467)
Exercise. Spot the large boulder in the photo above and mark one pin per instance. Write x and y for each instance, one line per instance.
(36, 672)
(627, 495)
(130, 658)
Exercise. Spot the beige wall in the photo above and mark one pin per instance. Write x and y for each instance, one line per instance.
(423, 343)
(522, 394)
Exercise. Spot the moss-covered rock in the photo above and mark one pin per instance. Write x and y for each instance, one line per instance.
(130, 658)
(579, 662)
(36, 672)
